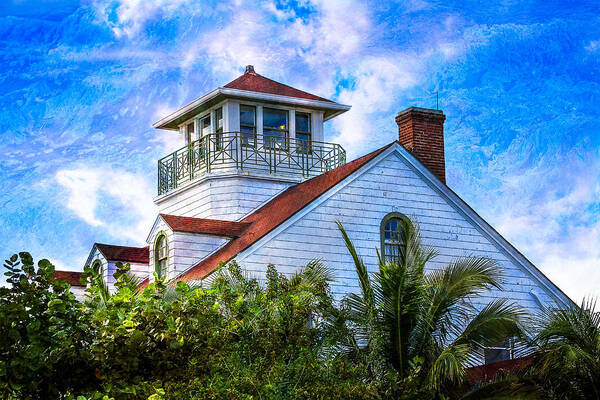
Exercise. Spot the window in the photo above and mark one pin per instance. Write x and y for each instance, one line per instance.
(189, 133)
(219, 127)
(205, 126)
(391, 235)
(161, 254)
(248, 125)
(303, 134)
(499, 352)
(275, 127)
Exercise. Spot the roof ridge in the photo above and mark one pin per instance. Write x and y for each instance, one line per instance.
(244, 82)
(265, 219)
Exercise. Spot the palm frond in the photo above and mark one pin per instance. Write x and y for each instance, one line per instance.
(366, 289)
(315, 274)
(449, 366)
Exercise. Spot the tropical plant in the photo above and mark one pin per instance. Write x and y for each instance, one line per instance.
(423, 323)
(43, 333)
(567, 358)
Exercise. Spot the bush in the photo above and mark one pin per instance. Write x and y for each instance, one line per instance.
(235, 339)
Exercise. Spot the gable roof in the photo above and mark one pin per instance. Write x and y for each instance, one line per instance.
(71, 277)
(253, 82)
(275, 212)
(206, 226)
(124, 253)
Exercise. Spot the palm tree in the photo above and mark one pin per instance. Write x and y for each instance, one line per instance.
(567, 359)
(422, 321)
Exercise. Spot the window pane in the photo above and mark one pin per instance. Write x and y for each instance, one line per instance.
(219, 119)
(247, 115)
(205, 125)
(302, 122)
(277, 119)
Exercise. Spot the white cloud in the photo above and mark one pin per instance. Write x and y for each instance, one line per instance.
(129, 17)
(593, 46)
(83, 186)
(553, 227)
(116, 200)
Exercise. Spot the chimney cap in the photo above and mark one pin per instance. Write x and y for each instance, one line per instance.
(420, 110)
(250, 69)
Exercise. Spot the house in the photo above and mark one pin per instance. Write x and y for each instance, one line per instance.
(255, 181)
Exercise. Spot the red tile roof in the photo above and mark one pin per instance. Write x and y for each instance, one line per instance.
(253, 82)
(275, 212)
(73, 278)
(207, 226)
(124, 253)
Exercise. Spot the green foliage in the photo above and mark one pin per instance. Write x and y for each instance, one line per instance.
(408, 334)
(422, 324)
(44, 333)
(568, 357)
(235, 339)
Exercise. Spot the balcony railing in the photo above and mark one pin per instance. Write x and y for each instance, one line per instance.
(236, 151)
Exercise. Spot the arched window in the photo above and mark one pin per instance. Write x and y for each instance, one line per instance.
(97, 267)
(391, 235)
(161, 254)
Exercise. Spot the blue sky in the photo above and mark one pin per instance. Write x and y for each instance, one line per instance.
(82, 82)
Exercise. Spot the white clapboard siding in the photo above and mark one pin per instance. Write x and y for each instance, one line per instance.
(185, 249)
(390, 185)
(227, 198)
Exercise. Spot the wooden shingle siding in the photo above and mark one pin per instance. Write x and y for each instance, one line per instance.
(390, 185)
(222, 198)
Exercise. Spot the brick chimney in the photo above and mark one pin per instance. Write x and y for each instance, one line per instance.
(421, 131)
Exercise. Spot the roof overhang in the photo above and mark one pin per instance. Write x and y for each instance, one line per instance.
(173, 120)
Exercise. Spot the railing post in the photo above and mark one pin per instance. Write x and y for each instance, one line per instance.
(174, 170)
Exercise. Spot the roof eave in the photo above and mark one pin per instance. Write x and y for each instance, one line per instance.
(331, 109)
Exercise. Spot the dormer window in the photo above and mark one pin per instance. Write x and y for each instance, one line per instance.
(303, 132)
(161, 254)
(248, 125)
(275, 127)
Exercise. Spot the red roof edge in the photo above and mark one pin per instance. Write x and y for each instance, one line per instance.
(124, 253)
(205, 226)
(73, 278)
(487, 372)
(277, 211)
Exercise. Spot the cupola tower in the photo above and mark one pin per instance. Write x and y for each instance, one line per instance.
(242, 144)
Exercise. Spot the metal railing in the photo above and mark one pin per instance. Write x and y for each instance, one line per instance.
(238, 151)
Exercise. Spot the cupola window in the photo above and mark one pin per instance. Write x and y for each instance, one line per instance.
(303, 132)
(189, 133)
(219, 127)
(161, 254)
(275, 128)
(248, 125)
(205, 126)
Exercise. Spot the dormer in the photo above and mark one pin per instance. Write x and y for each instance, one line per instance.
(254, 133)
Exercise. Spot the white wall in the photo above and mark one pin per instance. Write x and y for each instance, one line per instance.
(185, 249)
(389, 186)
(221, 198)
